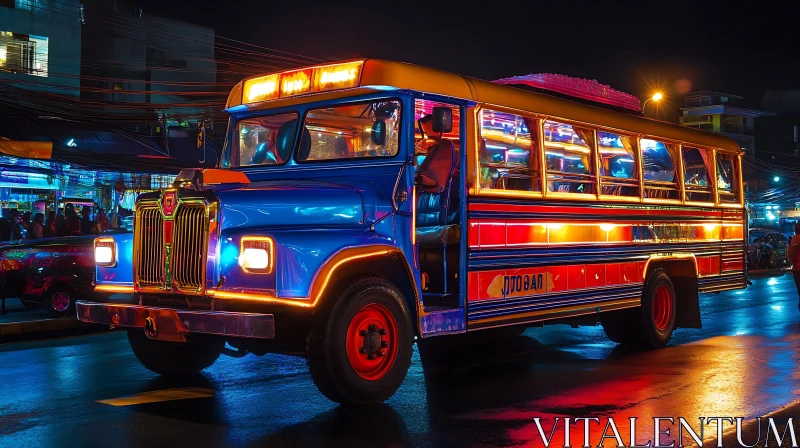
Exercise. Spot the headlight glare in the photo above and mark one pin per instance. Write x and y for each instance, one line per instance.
(105, 252)
(257, 254)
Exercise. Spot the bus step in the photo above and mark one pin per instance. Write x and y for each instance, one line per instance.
(439, 302)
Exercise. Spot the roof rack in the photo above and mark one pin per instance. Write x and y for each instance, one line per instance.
(577, 89)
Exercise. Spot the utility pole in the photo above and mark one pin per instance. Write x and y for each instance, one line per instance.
(201, 138)
(165, 132)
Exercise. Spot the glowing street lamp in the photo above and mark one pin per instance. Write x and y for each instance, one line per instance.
(656, 97)
(776, 179)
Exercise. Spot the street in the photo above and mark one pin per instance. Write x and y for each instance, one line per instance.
(91, 391)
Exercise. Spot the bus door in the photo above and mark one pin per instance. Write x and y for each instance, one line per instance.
(438, 179)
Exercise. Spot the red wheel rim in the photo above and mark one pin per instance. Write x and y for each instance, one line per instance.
(372, 342)
(60, 301)
(662, 307)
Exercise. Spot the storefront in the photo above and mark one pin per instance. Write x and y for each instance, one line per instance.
(27, 191)
(39, 186)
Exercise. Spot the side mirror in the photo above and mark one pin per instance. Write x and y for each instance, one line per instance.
(378, 133)
(442, 119)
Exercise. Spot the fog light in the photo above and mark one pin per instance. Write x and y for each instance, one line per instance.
(256, 254)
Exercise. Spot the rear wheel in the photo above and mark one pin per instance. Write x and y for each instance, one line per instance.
(657, 318)
(361, 353)
(174, 358)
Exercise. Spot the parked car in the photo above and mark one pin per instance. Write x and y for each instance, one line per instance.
(768, 249)
(52, 272)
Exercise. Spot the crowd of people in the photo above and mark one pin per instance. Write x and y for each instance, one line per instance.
(16, 226)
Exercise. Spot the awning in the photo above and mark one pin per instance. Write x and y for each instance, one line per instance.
(103, 146)
(26, 150)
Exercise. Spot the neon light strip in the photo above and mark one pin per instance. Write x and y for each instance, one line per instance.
(303, 302)
(114, 289)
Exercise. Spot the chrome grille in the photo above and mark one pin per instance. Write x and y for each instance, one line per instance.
(189, 249)
(149, 245)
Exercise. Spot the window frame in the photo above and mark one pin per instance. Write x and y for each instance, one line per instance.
(637, 167)
(676, 164)
(592, 156)
(355, 102)
(736, 159)
(535, 156)
(712, 171)
(235, 128)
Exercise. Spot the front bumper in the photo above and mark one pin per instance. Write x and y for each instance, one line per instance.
(173, 324)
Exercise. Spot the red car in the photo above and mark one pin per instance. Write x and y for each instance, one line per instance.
(53, 272)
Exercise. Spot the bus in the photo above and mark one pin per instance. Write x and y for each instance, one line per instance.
(361, 206)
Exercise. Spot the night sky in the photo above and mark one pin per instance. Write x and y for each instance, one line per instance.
(636, 47)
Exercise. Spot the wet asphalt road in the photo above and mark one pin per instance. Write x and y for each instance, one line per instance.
(742, 363)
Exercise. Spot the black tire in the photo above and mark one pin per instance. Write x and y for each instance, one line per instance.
(59, 301)
(618, 325)
(326, 346)
(174, 358)
(31, 305)
(647, 332)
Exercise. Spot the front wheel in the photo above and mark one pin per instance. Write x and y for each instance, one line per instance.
(174, 358)
(361, 353)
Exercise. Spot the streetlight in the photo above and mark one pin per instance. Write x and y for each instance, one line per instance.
(656, 97)
(776, 179)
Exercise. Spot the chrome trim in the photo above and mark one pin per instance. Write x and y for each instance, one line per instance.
(190, 242)
(172, 322)
(148, 246)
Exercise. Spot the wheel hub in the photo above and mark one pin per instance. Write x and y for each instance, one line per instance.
(60, 301)
(662, 307)
(372, 342)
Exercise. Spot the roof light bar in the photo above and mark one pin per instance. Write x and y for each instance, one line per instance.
(297, 82)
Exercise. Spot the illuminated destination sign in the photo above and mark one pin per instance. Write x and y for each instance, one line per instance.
(297, 82)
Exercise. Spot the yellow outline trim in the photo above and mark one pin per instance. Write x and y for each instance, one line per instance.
(118, 289)
(674, 256)
(317, 288)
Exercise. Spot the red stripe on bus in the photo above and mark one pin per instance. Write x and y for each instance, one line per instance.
(494, 233)
(709, 265)
(524, 282)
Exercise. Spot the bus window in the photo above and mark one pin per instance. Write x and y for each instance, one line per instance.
(727, 179)
(351, 131)
(618, 170)
(659, 169)
(263, 140)
(570, 163)
(696, 179)
(508, 152)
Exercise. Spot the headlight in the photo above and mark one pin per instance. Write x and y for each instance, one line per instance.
(105, 252)
(257, 254)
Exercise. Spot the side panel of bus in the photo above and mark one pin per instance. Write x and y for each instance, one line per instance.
(537, 260)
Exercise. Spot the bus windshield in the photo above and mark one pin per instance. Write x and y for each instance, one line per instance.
(351, 131)
(357, 130)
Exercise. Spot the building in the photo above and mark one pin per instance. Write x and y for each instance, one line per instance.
(722, 113)
(95, 95)
(40, 45)
(165, 67)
